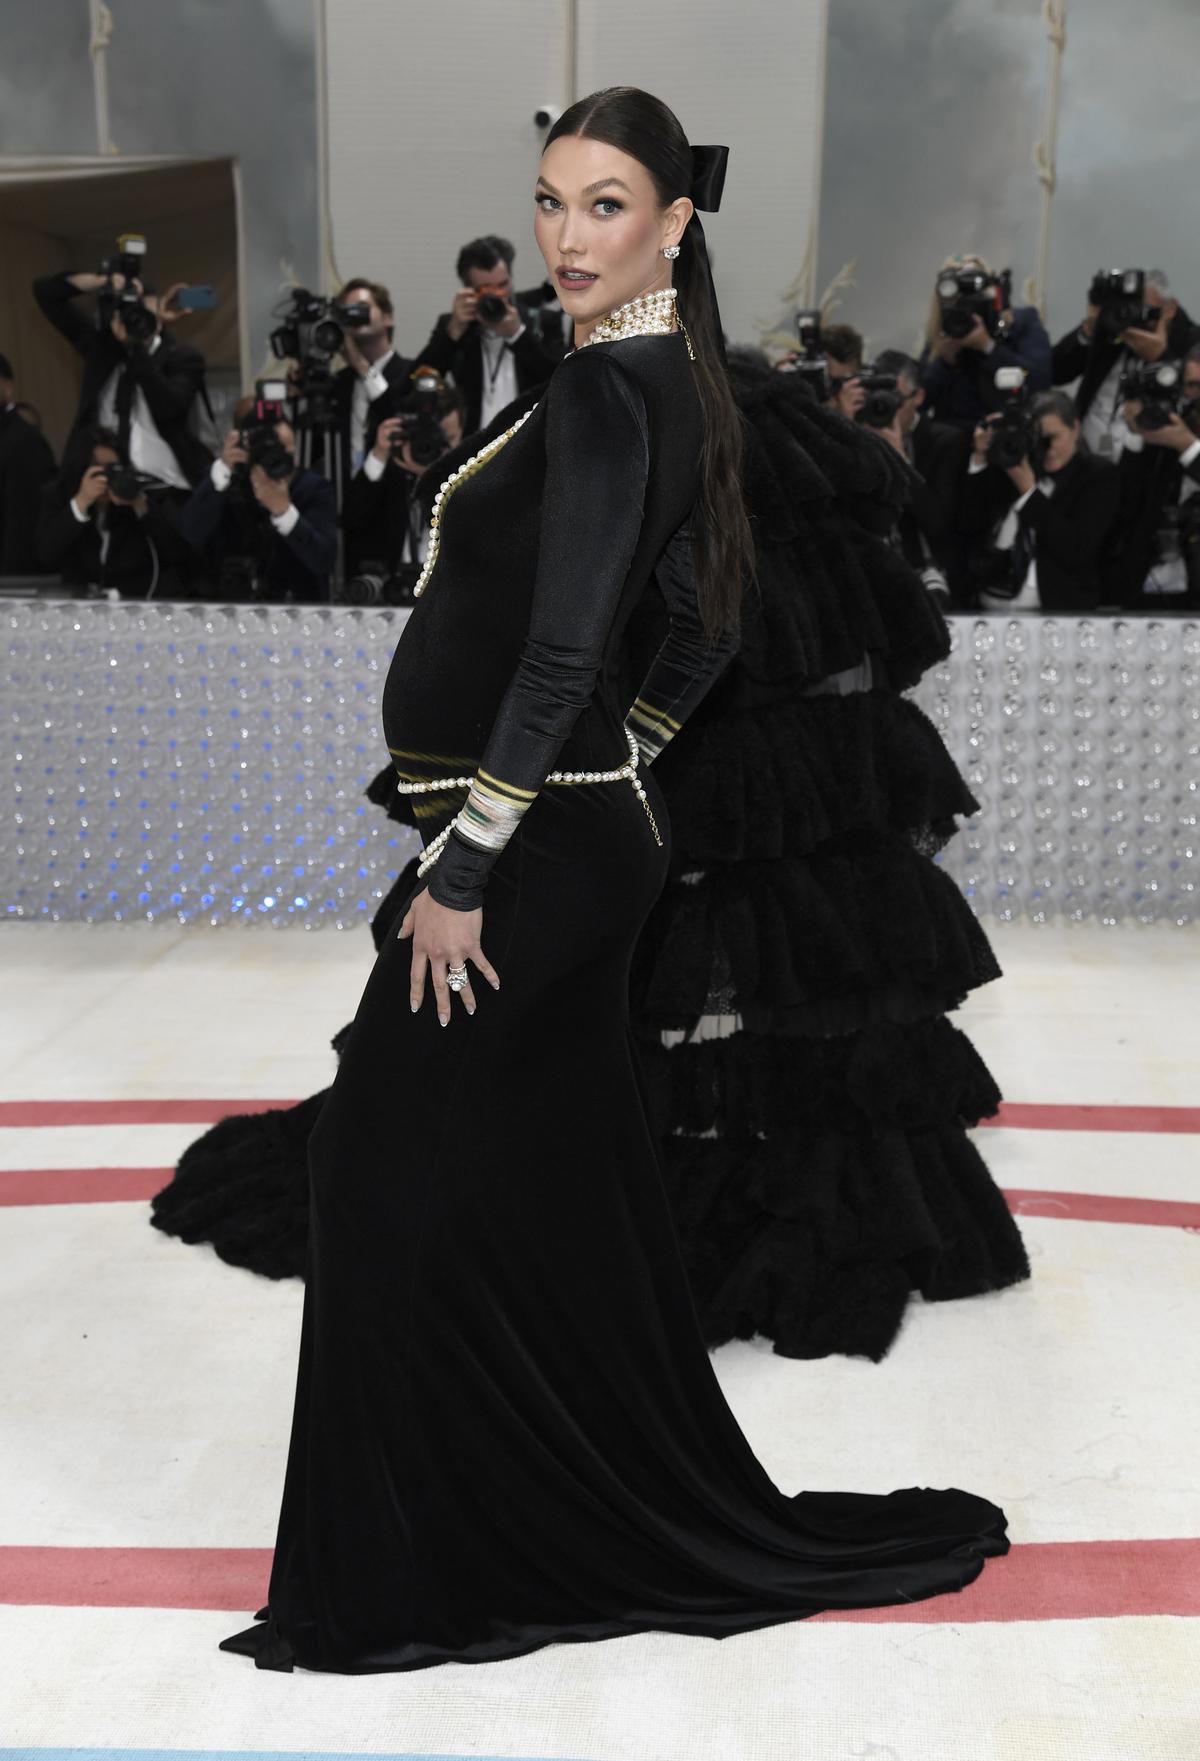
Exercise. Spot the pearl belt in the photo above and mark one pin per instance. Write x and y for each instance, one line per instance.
(624, 772)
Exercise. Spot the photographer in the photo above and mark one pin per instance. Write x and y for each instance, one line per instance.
(1131, 316)
(1038, 508)
(973, 330)
(1155, 562)
(938, 453)
(386, 529)
(374, 377)
(137, 381)
(101, 526)
(843, 346)
(489, 342)
(26, 464)
(268, 530)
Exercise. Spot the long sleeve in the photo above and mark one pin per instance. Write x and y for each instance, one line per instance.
(597, 452)
(687, 665)
(170, 376)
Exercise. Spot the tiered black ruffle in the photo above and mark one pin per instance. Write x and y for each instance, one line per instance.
(816, 1159)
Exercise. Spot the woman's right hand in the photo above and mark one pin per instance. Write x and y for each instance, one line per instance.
(92, 486)
(442, 938)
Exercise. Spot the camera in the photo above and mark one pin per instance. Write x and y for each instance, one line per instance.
(126, 302)
(811, 363)
(883, 400)
(261, 443)
(126, 483)
(1015, 434)
(1158, 387)
(1121, 296)
(420, 415)
(313, 327)
(966, 294)
(493, 304)
(375, 584)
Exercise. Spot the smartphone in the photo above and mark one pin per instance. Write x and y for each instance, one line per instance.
(197, 299)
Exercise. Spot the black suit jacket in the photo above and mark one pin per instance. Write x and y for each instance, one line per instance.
(171, 378)
(940, 455)
(26, 466)
(220, 523)
(1069, 528)
(1151, 481)
(1093, 360)
(535, 359)
(141, 554)
(364, 518)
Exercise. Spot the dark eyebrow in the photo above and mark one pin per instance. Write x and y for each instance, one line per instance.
(592, 188)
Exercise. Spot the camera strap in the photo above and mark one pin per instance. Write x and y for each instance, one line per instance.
(493, 373)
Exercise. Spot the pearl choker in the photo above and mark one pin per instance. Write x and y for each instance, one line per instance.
(650, 314)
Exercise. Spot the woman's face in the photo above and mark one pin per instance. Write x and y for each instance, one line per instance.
(598, 213)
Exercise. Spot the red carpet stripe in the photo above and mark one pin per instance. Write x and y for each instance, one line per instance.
(79, 1186)
(1044, 1116)
(1049, 1580)
(98, 1186)
(1102, 1207)
(1015, 1115)
(33, 1113)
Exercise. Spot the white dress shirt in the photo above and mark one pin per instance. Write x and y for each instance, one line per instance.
(148, 451)
(1168, 573)
(1105, 430)
(499, 373)
(1028, 599)
(367, 387)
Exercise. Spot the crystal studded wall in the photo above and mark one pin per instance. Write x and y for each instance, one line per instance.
(207, 764)
(1079, 738)
(199, 763)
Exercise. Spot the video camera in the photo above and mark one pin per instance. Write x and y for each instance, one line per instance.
(1121, 296)
(1015, 434)
(1158, 387)
(257, 434)
(420, 417)
(966, 294)
(883, 400)
(313, 327)
(126, 302)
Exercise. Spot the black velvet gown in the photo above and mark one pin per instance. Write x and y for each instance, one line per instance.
(507, 1429)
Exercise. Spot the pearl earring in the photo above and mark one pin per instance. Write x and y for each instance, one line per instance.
(670, 250)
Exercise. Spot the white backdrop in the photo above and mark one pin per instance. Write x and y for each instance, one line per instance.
(431, 139)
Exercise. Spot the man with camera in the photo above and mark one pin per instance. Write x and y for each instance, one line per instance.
(266, 529)
(386, 527)
(137, 380)
(1155, 561)
(1131, 316)
(973, 330)
(106, 527)
(1037, 506)
(489, 342)
(374, 377)
(844, 348)
(26, 465)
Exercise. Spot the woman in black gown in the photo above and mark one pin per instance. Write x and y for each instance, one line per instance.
(507, 1430)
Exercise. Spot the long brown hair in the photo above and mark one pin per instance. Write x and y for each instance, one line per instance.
(641, 125)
